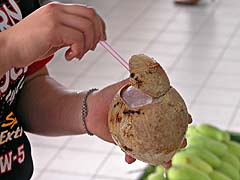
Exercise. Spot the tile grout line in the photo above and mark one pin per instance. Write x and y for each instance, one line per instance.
(234, 114)
(60, 149)
(102, 163)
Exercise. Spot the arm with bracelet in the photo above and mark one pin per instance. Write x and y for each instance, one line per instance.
(48, 108)
(30, 100)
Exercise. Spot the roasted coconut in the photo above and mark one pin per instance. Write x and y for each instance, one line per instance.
(148, 118)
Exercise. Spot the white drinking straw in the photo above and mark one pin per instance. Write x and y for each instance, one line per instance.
(115, 54)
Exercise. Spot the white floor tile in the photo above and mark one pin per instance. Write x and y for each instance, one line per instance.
(42, 156)
(233, 53)
(218, 97)
(235, 124)
(116, 167)
(89, 144)
(74, 161)
(187, 92)
(193, 65)
(187, 77)
(225, 81)
(41, 141)
(203, 52)
(215, 115)
(61, 176)
(230, 68)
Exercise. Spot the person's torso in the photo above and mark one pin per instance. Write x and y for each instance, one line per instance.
(15, 152)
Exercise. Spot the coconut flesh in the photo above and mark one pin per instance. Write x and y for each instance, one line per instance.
(148, 118)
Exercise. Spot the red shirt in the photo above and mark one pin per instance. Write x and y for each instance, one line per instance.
(38, 65)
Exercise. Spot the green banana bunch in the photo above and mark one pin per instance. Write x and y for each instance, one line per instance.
(234, 147)
(156, 176)
(231, 159)
(210, 155)
(204, 154)
(216, 175)
(185, 172)
(185, 158)
(213, 132)
(229, 170)
(159, 169)
(212, 145)
(191, 131)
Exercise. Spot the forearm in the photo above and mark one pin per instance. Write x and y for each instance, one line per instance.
(48, 108)
(5, 53)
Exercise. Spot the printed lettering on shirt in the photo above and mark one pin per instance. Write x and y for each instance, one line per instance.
(10, 134)
(9, 78)
(7, 159)
(6, 162)
(10, 15)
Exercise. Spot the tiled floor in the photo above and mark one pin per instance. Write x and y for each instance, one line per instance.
(199, 47)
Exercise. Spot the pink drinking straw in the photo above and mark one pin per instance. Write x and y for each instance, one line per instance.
(115, 54)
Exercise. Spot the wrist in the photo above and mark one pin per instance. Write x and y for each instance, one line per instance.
(94, 113)
(84, 111)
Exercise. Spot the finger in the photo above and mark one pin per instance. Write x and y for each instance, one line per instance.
(189, 119)
(98, 24)
(129, 159)
(103, 34)
(85, 12)
(99, 36)
(184, 143)
(83, 25)
(75, 51)
(73, 38)
(107, 137)
(167, 164)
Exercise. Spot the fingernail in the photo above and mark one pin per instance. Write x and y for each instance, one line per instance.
(71, 55)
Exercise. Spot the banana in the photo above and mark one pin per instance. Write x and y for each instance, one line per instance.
(184, 158)
(155, 176)
(216, 147)
(159, 169)
(191, 131)
(227, 136)
(234, 147)
(185, 172)
(205, 155)
(229, 170)
(231, 159)
(212, 132)
(216, 175)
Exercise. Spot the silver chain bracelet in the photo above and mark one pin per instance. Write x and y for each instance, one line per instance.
(85, 111)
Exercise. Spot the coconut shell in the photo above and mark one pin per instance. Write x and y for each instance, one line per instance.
(148, 76)
(153, 132)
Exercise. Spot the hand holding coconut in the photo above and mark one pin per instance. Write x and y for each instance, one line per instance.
(148, 119)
